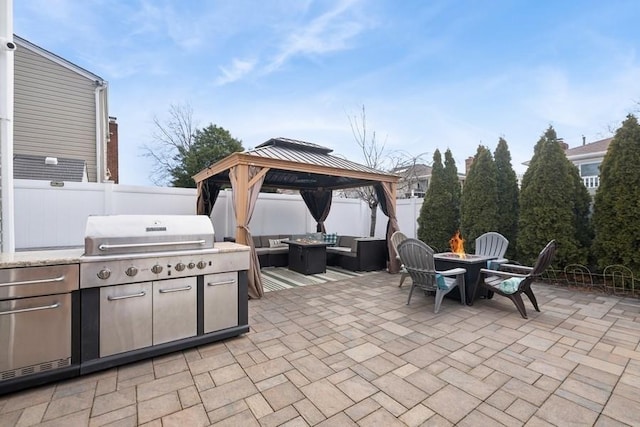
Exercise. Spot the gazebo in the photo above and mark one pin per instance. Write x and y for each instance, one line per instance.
(283, 163)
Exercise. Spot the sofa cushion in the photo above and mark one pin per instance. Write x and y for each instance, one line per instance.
(257, 242)
(348, 242)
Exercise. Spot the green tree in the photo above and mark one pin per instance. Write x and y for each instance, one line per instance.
(479, 208)
(209, 145)
(453, 186)
(508, 193)
(551, 205)
(439, 214)
(180, 150)
(616, 216)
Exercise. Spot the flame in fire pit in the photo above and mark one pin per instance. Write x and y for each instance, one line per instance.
(456, 244)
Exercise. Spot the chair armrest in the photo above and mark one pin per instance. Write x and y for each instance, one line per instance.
(505, 274)
(517, 267)
(452, 272)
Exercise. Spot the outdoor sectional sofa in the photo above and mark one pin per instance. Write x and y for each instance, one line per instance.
(349, 252)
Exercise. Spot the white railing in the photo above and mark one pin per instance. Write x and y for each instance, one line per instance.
(591, 181)
(49, 216)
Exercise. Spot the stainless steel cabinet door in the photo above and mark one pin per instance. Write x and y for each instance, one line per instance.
(220, 301)
(35, 334)
(174, 309)
(125, 318)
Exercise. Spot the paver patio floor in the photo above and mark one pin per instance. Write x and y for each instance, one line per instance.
(353, 353)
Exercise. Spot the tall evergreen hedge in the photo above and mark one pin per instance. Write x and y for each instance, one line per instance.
(508, 193)
(552, 205)
(439, 215)
(479, 208)
(616, 216)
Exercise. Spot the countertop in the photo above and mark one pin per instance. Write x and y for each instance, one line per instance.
(72, 256)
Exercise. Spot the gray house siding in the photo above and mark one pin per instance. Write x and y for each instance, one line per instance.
(54, 110)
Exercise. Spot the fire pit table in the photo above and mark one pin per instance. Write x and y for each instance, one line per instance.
(472, 263)
(307, 256)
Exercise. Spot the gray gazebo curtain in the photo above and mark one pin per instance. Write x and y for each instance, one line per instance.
(319, 204)
(207, 195)
(255, 280)
(385, 198)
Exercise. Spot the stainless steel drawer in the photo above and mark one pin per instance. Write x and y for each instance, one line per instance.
(125, 318)
(174, 309)
(35, 335)
(220, 301)
(36, 281)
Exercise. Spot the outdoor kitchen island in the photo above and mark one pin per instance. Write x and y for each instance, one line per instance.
(67, 313)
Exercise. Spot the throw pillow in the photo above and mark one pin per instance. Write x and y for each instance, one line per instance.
(440, 282)
(276, 243)
(509, 286)
(330, 238)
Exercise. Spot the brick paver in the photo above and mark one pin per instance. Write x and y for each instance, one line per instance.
(353, 353)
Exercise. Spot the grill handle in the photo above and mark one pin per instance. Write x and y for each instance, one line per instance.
(106, 247)
(34, 282)
(26, 310)
(140, 294)
(166, 291)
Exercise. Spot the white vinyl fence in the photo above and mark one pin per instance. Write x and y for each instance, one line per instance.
(47, 217)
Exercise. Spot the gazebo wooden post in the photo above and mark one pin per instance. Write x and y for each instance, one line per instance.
(241, 201)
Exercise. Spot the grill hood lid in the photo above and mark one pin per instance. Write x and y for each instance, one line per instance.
(123, 234)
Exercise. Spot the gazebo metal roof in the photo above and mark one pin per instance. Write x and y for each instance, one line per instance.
(298, 164)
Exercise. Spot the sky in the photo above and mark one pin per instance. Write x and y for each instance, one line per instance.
(430, 75)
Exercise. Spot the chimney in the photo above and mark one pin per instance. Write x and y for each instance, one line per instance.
(584, 140)
(112, 150)
(467, 165)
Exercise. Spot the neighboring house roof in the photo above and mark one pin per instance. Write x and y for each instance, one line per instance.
(35, 167)
(593, 149)
(418, 170)
(57, 59)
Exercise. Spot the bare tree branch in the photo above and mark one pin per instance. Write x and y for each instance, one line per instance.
(170, 138)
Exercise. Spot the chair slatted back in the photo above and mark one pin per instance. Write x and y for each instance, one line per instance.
(492, 244)
(397, 238)
(544, 259)
(417, 258)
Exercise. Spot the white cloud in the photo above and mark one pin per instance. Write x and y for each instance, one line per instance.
(239, 68)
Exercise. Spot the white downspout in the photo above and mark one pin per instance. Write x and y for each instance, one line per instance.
(7, 48)
(102, 122)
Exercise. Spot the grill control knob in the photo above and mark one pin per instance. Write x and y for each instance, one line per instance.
(131, 271)
(180, 266)
(156, 269)
(104, 274)
(191, 266)
(201, 265)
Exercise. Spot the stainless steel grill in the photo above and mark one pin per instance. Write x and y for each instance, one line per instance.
(147, 269)
(121, 249)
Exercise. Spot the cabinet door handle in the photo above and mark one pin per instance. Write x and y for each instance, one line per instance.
(140, 294)
(166, 291)
(26, 310)
(224, 282)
